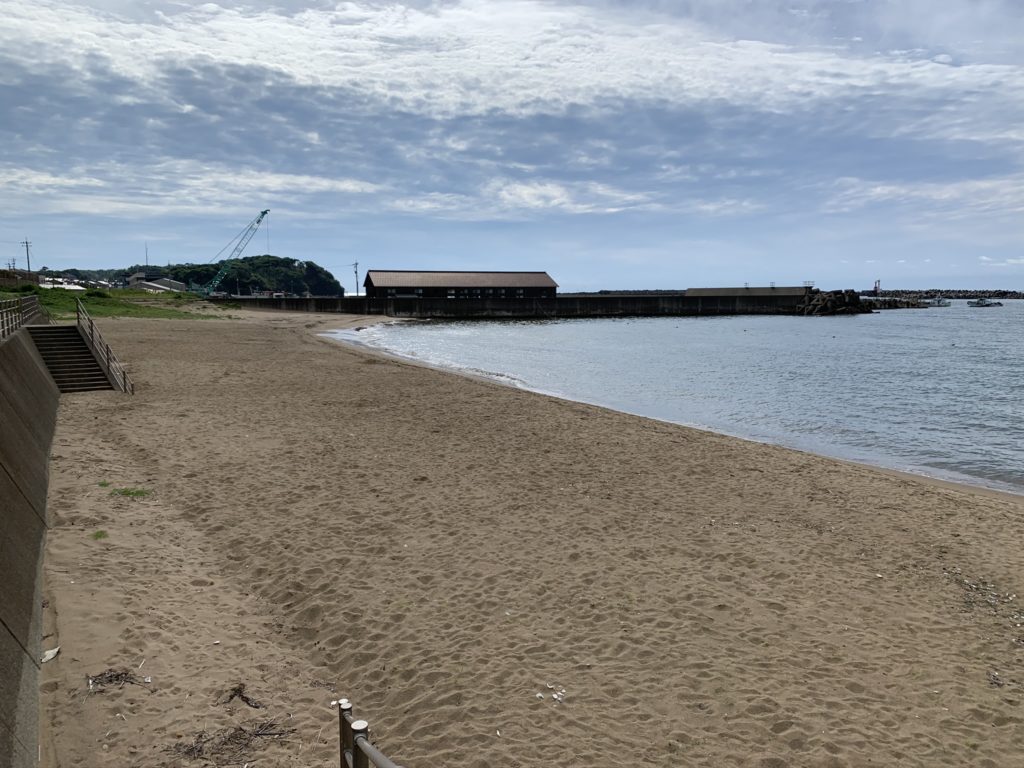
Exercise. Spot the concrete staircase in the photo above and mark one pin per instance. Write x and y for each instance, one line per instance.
(71, 363)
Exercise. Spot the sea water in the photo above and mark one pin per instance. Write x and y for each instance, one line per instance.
(936, 391)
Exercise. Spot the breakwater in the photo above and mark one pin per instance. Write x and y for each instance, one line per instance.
(957, 293)
(692, 303)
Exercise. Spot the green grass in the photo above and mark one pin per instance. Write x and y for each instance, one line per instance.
(104, 483)
(131, 493)
(99, 535)
(117, 302)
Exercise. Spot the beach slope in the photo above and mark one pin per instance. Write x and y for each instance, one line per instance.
(276, 519)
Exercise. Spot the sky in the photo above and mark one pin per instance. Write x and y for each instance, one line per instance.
(644, 144)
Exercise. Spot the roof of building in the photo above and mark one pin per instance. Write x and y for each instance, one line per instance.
(419, 279)
(155, 287)
(169, 282)
(784, 290)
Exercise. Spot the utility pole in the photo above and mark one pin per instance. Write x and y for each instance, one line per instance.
(28, 258)
(356, 269)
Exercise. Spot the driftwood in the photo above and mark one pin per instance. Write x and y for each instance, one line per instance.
(230, 745)
(238, 692)
(111, 677)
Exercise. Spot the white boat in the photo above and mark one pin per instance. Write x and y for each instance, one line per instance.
(984, 302)
(938, 301)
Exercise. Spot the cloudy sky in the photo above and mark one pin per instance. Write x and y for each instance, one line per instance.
(615, 144)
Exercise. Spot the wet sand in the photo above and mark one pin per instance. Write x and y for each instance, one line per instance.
(314, 520)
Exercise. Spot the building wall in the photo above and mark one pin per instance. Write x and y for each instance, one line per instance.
(459, 293)
(28, 413)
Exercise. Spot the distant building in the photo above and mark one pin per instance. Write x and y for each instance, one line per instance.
(174, 285)
(397, 284)
(60, 282)
(144, 277)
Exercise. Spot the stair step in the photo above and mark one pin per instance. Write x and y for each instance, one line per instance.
(74, 365)
(75, 379)
(88, 377)
(79, 377)
(68, 372)
(71, 362)
(77, 357)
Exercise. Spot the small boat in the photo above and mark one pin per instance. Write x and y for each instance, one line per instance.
(938, 301)
(984, 302)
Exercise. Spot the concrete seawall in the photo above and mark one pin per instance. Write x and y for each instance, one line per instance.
(561, 306)
(28, 417)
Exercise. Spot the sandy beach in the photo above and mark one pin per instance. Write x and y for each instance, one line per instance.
(307, 520)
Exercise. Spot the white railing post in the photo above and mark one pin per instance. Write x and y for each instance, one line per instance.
(360, 730)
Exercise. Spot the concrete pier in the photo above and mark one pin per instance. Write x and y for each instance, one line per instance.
(694, 302)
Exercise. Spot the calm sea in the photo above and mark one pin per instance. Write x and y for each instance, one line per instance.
(938, 391)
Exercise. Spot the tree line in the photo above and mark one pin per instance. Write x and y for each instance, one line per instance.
(246, 275)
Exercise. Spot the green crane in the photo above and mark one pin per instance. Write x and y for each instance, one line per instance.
(243, 239)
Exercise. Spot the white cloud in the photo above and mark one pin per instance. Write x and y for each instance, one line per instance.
(571, 198)
(177, 187)
(473, 56)
(1003, 195)
(27, 181)
(507, 199)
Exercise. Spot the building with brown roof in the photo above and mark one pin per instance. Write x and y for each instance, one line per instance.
(395, 284)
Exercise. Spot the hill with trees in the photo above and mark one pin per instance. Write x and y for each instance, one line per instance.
(251, 274)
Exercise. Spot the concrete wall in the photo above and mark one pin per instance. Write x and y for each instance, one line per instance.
(28, 417)
(782, 302)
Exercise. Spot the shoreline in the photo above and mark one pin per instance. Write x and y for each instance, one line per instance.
(952, 479)
(321, 522)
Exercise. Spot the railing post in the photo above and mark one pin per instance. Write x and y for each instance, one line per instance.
(344, 710)
(340, 703)
(360, 729)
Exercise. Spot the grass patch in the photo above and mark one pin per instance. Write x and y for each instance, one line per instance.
(104, 483)
(116, 302)
(131, 493)
(99, 535)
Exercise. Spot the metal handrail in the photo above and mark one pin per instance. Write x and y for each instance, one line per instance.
(26, 310)
(354, 747)
(101, 350)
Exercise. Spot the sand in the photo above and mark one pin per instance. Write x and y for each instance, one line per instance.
(320, 521)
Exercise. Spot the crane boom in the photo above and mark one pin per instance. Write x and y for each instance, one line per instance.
(244, 238)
